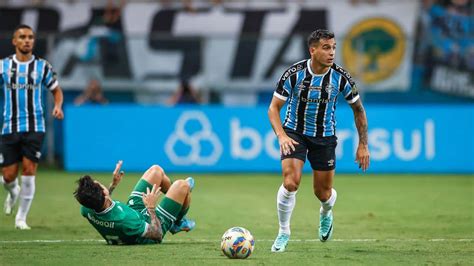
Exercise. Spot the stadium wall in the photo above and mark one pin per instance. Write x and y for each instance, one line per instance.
(403, 139)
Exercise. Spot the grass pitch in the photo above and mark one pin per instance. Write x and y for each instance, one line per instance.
(379, 219)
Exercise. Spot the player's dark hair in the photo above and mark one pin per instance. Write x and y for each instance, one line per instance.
(89, 193)
(21, 26)
(319, 34)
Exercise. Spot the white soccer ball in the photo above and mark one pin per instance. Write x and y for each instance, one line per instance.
(237, 243)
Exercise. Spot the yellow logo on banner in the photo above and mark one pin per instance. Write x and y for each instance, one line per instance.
(373, 49)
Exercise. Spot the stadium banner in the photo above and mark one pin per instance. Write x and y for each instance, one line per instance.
(404, 139)
(445, 53)
(151, 47)
(377, 46)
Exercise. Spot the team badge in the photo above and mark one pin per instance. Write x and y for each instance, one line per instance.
(34, 75)
(329, 88)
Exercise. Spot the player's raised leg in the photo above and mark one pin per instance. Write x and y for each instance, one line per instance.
(322, 186)
(182, 223)
(156, 175)
(286, 200)
(179, 193)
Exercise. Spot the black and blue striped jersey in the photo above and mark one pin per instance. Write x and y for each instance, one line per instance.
(22, 84)
(312, 98)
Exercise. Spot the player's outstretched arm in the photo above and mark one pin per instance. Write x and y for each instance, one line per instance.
(117, 176)
(362, 154)
(149, 199)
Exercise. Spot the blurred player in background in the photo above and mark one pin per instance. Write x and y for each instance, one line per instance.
(140, 221)
(311, 87)
(23, 78)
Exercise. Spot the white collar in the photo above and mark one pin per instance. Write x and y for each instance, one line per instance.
(308, 63)
(108, 209)
(21, 62)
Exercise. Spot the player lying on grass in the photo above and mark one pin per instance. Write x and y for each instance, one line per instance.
(140, 221)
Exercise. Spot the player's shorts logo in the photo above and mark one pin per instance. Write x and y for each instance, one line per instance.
(193, 142)
(373, 49)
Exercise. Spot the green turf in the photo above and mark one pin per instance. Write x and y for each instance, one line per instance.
(379, 219)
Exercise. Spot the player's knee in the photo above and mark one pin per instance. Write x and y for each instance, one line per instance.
(322, 194)
(290, 181)
(290, 184)
(182, 185)
(157, 171)
(28, 171)
(9, 178)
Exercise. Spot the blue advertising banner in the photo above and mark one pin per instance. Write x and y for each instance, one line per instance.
(404, 139)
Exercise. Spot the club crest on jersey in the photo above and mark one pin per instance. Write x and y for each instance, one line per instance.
(329, 88)
(34, 75)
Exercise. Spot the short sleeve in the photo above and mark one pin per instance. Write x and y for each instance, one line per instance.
(350, 92)
(84, 211)
(50, 77)
(282, 90)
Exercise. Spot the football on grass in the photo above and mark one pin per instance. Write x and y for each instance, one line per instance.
(237, 243)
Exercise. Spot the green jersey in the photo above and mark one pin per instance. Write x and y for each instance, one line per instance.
(119, 224)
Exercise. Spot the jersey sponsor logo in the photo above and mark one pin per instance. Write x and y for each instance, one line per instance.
(18, 86)
(99, 222)
(291, 71)
(373, 49)
(309, 100)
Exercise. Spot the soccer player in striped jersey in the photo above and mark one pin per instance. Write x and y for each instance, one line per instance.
(23, 77)
(311, 88)
(140, 221)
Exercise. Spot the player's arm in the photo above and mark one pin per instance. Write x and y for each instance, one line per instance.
(360, 118)
(287, 144)
(117, 177)
(58, 103)
(149, 199)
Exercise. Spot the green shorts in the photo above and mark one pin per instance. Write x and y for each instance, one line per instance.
(167, 210)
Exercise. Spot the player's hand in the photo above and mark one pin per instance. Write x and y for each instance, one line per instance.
(363, 157)
(287, 144)
(151, 197)
(58, 113)
(117, 175)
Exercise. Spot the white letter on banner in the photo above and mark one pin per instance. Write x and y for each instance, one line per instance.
(378, 142)
(413, 152)
(342, 135)
(237, 135)
(272, 150)
(430, 139)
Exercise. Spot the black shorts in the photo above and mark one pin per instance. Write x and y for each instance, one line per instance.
(321, 151)
(16, 145)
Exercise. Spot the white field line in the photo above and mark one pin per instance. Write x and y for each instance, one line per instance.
(184, 241)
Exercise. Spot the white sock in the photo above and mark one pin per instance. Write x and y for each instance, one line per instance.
(26, 196)
(286, 201)
(327, 206)
(12, 187)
